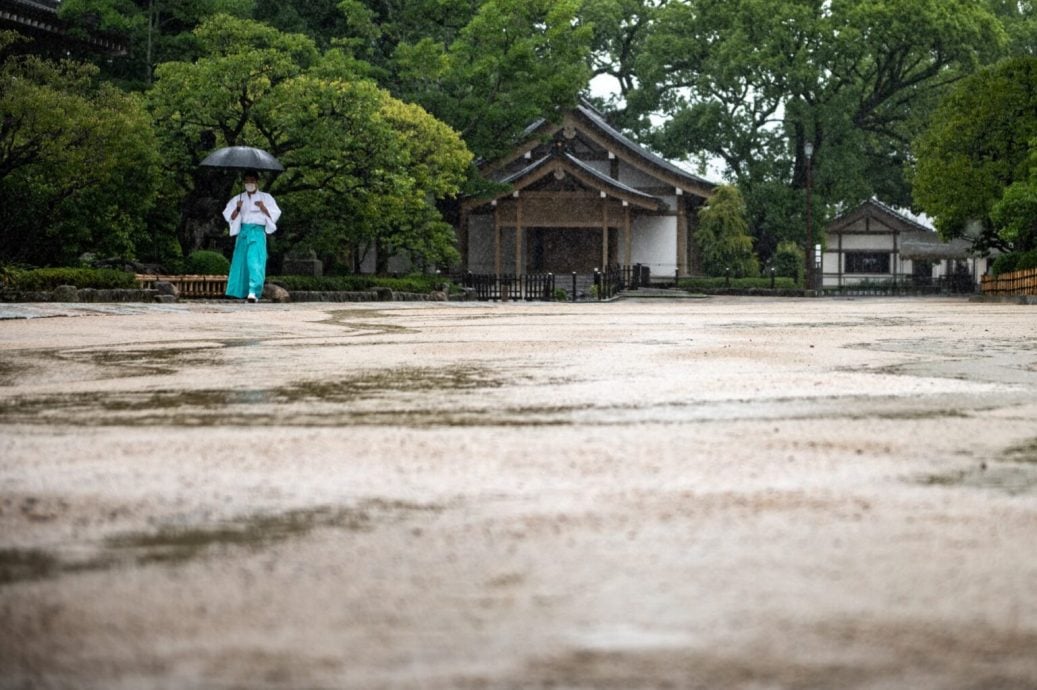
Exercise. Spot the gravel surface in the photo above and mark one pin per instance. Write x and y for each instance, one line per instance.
(719, 493)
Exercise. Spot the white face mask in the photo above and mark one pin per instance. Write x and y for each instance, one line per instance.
(250, 187)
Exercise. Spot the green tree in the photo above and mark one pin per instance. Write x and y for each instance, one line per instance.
(78, 164)
(722, 235)
(363, 169)
(979, 146)
(515, 61)
(750, 82)
(155, 30)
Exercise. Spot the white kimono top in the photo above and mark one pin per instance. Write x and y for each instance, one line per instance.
(250, 212)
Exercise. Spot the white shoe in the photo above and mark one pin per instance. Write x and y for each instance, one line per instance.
(251, 297)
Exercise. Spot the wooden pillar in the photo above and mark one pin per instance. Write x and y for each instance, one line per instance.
(896, 257)
(841, 258)
(604, 231)
(519, 263)
(462, 237)
(628, 239)
(682, 234)
(496, 240)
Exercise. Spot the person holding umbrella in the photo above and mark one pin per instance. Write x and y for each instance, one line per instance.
(252, 216)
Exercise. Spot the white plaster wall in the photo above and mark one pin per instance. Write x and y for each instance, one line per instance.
(654, 244)
(875, 243)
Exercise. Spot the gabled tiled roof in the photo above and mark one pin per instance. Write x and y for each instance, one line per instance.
(917, 240)
(611, 137)
(876, 206)
(592, 115)
(603, 182)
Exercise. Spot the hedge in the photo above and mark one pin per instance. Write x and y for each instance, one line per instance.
(357, 283)
(49, 278)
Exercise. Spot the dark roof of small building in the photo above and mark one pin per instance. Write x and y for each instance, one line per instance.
(917, 240)
(875, 207)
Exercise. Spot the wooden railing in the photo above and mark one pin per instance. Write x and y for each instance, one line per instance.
(188, 285)
(1007, 284)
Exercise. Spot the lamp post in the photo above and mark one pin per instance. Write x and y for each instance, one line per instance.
(808, 276)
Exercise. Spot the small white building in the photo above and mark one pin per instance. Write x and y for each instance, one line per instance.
(875, 243)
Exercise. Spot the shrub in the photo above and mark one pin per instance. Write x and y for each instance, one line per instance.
(207, 263)
(788, 261)
(50, 278)
(357, 283)
(1027, 260)
(1004, 264)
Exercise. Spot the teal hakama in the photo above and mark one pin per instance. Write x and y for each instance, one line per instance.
(252, 216)
(248, 266)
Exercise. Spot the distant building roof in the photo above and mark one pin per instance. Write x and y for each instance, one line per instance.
(917, 237)
(38, 19)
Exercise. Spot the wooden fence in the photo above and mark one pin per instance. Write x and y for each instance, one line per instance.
(1010, 284)
(188, 285)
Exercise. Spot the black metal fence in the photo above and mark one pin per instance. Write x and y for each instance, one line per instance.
(549, 287)
(908, 285)
(505, 287)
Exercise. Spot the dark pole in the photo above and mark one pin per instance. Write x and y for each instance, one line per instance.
(808, 150)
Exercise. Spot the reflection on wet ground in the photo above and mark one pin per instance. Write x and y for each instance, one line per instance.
(172, 544)
(327, 402)
(1013, 472)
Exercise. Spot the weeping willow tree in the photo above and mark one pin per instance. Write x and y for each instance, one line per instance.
(723, 238)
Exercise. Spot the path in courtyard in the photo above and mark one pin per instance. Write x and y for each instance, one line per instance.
(717, 493)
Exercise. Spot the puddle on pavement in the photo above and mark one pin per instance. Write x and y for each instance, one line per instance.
(209, 407)
(356, 320)
(174, 544)
(1014, 472)
(10, 372)
(145, 361)
(1024, 452)
(26, 564)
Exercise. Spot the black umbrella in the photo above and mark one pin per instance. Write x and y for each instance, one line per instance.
(242, 158)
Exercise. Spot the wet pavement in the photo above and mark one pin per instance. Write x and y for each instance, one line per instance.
(711, 493)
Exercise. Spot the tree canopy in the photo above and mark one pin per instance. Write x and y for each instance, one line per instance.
(362, 166)
(750, 82)
(723, 235)
(78, 163)
(373, 103)
(977, 162)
